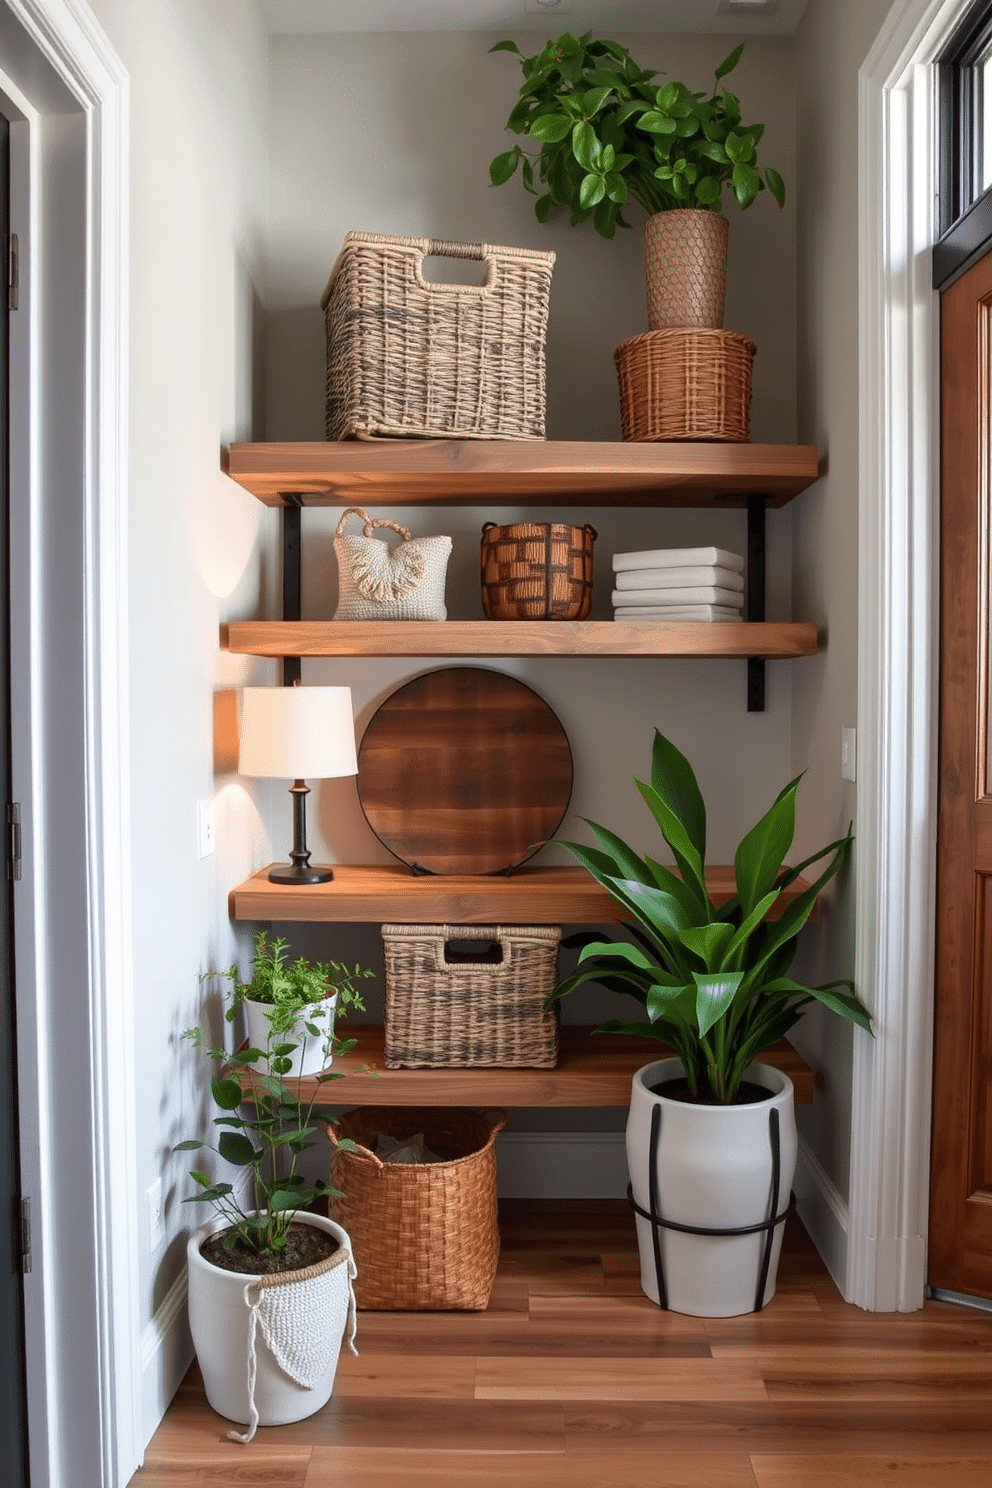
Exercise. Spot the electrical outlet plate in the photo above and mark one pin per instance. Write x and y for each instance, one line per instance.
(204, 828)
(848, 754)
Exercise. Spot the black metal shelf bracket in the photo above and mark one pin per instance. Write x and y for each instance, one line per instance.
(756, 596)
(292, 573)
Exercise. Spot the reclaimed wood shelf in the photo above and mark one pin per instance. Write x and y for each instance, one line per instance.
(593, 1069)
(393, 893)
(482, 638)
(523, 472)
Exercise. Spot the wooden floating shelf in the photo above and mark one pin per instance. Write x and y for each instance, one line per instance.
(593, 1069)
(392, 893)
(495, 638)
(472, 472)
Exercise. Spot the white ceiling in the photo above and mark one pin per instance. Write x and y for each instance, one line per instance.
(740, 17)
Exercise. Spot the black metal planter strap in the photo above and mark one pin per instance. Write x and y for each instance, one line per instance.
(653, 1215)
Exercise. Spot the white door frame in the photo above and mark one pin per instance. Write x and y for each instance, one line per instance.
(73, 921)
(897, 655)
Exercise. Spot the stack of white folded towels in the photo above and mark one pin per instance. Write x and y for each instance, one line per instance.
(678, 584)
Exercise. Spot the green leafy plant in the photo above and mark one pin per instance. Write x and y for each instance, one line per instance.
(289, 988)
(267, 1128)
(713, 981)
(606, 133)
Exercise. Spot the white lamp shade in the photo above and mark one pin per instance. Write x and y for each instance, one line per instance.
(298, 733)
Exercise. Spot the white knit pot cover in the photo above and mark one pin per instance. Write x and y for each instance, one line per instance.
(268, 1346)
(714, 1171)
(379, 582)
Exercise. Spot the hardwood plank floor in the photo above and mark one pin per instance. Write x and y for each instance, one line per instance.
(572, 1379)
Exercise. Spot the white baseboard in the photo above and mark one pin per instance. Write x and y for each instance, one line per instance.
(166, 1354)
(824, 1213)
(561, 1165)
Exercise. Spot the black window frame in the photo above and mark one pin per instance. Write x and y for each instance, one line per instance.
(964, 216)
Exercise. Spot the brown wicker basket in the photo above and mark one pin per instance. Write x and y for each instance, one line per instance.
(685, 384)
(408, 357)
(424, 1235)
(537, 571)
(459, 996)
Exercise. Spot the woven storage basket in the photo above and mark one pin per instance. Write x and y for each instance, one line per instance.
(685, 384)
(537, 571)
(446, 1010)
(408, 357)
(424, 1235)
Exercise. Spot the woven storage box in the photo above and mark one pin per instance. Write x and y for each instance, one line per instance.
(408, 357)
(444, 1009)
(537, 571)
(424, 1235)
(685, 384)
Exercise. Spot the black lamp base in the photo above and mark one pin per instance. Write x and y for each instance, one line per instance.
(293, 873)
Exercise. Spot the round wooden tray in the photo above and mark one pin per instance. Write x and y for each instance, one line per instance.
(464, 770)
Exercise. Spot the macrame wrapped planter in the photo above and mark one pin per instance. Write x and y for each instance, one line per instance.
(426, 1235)
(685, 384)
(409, 357)
(268, 1346)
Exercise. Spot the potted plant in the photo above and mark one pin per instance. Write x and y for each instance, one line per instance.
(711, 1140)
(270, 1284)
(606, 133)
(296, 1002)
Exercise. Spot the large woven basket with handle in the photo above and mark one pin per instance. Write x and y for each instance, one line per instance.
(425, 1236)
(409, 357)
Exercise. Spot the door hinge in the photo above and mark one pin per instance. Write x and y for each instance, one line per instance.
(26, 1236)
(13, 271)
(13, 839)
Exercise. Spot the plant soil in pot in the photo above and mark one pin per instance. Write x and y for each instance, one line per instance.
(716, 1167)
(268, 1344)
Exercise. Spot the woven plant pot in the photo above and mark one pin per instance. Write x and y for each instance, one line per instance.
(686, 384)
(536, 571)
(425, 1236)
(685, 268)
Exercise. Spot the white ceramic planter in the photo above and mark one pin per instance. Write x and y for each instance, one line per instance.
(714, 1170)
(309, 1058)
(220, 1318)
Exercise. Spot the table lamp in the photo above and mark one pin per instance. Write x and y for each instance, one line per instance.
(292, 733)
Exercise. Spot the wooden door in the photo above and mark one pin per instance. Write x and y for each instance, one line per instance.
(960, 1256)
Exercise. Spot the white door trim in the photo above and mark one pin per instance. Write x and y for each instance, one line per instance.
(897, 656)
(84, 1323)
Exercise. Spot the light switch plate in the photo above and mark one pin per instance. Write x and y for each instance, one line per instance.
(848, 754)
(204, 828)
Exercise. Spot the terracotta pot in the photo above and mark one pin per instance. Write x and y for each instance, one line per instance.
(714, 1170)
(685, 268)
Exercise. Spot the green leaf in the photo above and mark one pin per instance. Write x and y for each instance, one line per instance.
(585, 146)
(760, 853)
(708, 191)
(592, 190)
(622, 949)
(616, 188)
(190, 1145)
(542, 208)
(662, 995)
(729, 63)
(674, 779)
(775, 185)
(714, 994)
(504, 166)
(283, 1199)
(551, 128)
(226, 1093)
(655, 123)
(686, 853)
(594, 100)
(505, 46)
(236, 1149)
(709, 943)
(746, 183)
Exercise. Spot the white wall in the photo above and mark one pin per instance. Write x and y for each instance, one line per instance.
(199, 155)
(833, 39)
(394, 134)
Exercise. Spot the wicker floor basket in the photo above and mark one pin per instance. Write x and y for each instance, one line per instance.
(537, 571)
(685, 384)
(409, 357)
(467, 995)
(424, 1235)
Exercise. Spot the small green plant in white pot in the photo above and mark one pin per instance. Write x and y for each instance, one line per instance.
(711, 1137)
(270, 1280)
(297, 1002)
